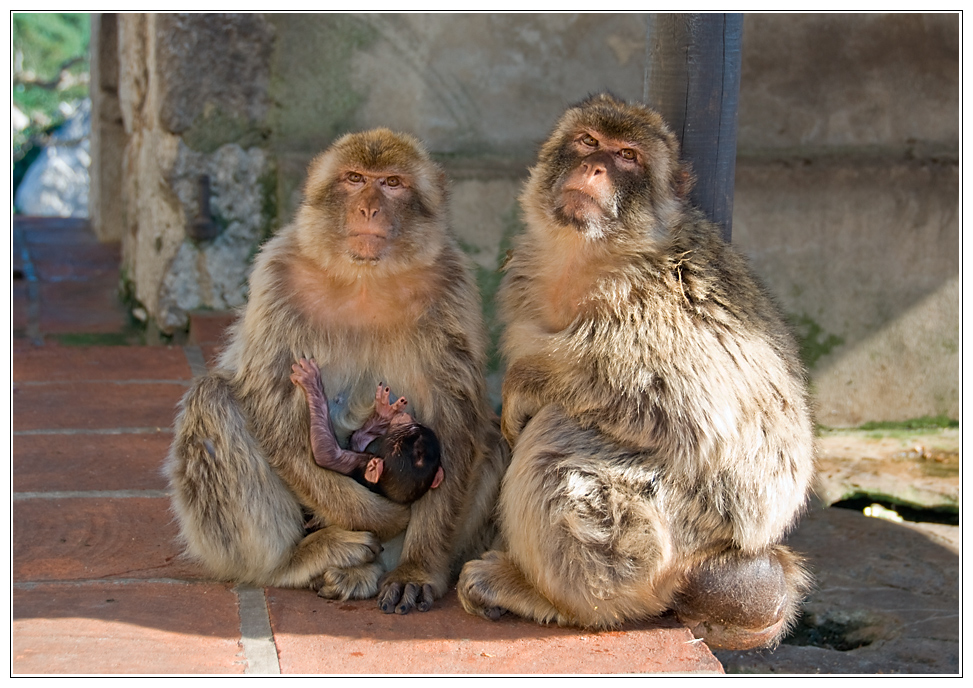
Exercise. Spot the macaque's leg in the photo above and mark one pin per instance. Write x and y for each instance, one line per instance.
(378, 423)
(327, 452)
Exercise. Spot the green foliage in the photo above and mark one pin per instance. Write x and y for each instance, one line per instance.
(48, 40)
(44, 45)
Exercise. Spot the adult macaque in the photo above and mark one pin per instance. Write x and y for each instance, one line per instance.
(370, 283)
(654, 402)
(406, 463)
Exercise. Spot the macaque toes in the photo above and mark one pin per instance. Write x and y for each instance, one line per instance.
(654, 403)
(406, 463)
(370, 283)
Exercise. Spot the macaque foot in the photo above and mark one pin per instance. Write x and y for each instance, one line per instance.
(385, 410)
(475, 591)
(401, 599)
(354, 583)
(405, 588)
(305, 374)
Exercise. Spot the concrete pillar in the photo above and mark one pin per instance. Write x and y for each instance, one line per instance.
(108, 139)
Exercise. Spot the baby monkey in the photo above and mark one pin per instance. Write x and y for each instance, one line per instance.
(407, 462)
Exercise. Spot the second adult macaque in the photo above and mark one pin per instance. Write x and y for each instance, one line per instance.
(406, 462)
(654, 401)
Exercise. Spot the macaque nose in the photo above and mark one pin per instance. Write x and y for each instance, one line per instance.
(369, 204)
(593, 168)
(368, 210)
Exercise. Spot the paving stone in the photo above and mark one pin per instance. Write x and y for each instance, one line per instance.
(85, 262)
(95, 405)
(71, 462)
(20, 303)
(131, 628)
(886, 600)
(314, 635)
(66, 363)
(87, 306)
(55, 229)
(84, 538)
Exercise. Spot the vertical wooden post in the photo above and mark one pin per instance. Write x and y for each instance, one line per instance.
(693, 79)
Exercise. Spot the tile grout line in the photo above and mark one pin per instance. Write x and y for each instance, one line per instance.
(256, 635)
(96, 431)
(90, 494)
(196, 360)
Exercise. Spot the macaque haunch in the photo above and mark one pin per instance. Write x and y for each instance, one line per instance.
(406, 463)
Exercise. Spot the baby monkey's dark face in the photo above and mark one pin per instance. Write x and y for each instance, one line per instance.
(412, 456)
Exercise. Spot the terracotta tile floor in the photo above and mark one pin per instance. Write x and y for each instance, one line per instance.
(98, 583)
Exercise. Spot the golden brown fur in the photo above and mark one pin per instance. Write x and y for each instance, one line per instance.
(385, 298)
(654, 402)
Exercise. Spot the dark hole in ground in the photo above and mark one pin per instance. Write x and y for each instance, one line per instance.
(945, 515)
(830, 635)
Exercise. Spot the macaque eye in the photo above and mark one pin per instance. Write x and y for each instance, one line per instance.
(589, 140)
(627, 154)
(393, 181)
(355, 177)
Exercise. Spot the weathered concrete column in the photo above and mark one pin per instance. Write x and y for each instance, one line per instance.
(693, 79)
(108, 137)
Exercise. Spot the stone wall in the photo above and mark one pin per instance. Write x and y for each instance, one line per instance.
(847, 202)
(847, 177)
(194, 101)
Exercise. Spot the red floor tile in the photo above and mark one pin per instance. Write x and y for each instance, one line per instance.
(86, 538)
(71, 462)
(95, 405)
(86, 306)
(132, 628)
(323, 636)
(69, 363)
(210, 327)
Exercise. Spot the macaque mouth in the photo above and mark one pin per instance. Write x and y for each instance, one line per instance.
(368, 245)
(577, 205)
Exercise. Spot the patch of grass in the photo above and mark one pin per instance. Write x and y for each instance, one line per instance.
(923, 423)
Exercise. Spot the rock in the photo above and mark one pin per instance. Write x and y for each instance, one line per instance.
(886, 600)
(213, 273)
(915, 469)
(56, 183)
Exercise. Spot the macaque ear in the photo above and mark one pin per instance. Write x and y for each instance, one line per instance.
(373, 471)
(440, 474)
(683, 180)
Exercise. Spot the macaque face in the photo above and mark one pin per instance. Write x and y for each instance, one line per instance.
(602, 174)
(375, 205)
(374, 198)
